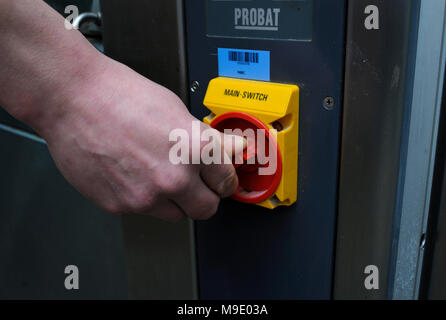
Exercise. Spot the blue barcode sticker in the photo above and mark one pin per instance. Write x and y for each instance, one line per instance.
(244, 64)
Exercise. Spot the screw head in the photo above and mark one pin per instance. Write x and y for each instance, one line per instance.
(277, 126)
(328, 103)
(194, 86)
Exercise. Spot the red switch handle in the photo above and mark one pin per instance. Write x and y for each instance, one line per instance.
(253, 187)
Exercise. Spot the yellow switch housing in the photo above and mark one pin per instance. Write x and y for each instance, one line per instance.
(277, 106)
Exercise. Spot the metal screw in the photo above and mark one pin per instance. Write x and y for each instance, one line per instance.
(194, 86)
(277, 125)
(328, 103)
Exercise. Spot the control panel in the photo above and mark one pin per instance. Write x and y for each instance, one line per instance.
(275, 68)
(267, 115)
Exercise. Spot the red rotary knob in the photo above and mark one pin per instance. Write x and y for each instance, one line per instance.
(253, 186)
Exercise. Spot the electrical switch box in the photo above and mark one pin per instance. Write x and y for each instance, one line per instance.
(267, 115)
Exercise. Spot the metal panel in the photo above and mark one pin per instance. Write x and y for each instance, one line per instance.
(422, 141)
(148, 36)
(376, 84)
(249, 252)
(45, 225)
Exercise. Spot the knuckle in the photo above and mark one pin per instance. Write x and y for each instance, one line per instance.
(174, 183)
(206, 209)
(139, 200)
(114, 209)
(142, 205)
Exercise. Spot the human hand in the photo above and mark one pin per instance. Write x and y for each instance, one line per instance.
(111, 141)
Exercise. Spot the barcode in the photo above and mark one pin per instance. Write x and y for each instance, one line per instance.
(243, 57)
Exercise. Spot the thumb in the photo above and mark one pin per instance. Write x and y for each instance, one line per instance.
(233, 144)
(222, 178)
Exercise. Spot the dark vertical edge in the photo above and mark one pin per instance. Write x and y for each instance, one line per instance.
(374, 105)
(433, 278)
(339, 155)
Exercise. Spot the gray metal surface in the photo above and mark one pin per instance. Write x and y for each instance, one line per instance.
(421, 151)
(46, 225)
(249, 252)
(148, 36)
(377, 74)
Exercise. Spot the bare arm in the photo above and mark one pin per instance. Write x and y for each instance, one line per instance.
(107, 127)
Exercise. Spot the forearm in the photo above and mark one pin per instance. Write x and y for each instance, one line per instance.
(107, 128)
(42, 64)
